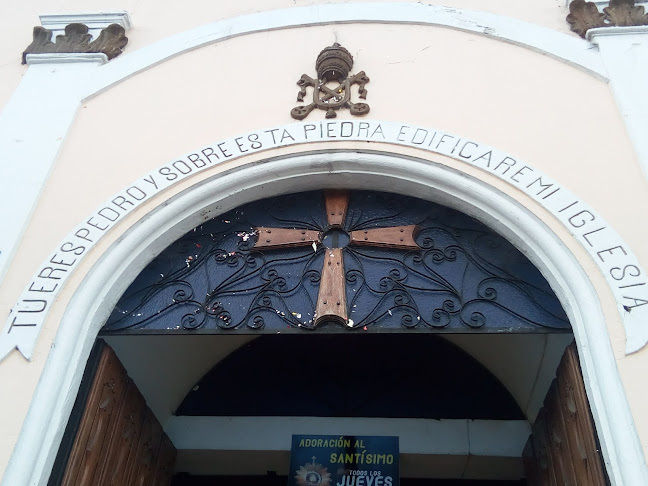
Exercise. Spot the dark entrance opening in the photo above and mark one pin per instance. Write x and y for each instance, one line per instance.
(359, 375)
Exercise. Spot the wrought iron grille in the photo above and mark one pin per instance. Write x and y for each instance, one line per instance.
(336, 260)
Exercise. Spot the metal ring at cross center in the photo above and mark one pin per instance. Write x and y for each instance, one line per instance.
(335, 238)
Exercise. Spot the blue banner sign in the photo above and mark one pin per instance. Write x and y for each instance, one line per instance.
(344, 460)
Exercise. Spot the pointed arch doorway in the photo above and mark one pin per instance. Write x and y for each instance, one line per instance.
(439, 272)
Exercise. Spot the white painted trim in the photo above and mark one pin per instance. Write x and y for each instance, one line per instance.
(494, 438)
(95, 297)
(613, 30)
(66, 58)
(98, 20)
(624, 51)
(33, 127)
(566, 48)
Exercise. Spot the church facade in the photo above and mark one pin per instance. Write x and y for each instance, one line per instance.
(124, 130)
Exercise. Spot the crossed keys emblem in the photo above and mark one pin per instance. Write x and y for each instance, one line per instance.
(331, 299)
(333, 65)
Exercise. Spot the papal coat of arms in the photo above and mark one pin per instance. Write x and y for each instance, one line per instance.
(332, 88)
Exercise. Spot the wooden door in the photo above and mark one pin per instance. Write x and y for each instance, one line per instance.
(562, 449)
(113, 438)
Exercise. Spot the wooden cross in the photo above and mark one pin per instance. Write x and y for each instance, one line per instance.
(331, 299)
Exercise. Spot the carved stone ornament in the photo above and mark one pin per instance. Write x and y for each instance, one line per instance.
(333, 65)
(623, 13)
(620, 13)
(111, 41)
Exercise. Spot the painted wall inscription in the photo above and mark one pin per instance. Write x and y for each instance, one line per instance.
(613, 257)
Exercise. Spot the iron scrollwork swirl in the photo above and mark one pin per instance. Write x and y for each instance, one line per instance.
(463, 277)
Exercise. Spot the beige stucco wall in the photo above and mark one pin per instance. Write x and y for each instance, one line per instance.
(553, 116)
(154, 20)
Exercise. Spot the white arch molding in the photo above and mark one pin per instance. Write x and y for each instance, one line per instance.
(566, 48)
(94, 299)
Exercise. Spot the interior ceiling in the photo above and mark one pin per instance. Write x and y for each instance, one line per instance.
(379, 375)
(166, 368)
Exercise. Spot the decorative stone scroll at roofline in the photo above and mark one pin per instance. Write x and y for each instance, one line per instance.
(619, 13)
(76, 39)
